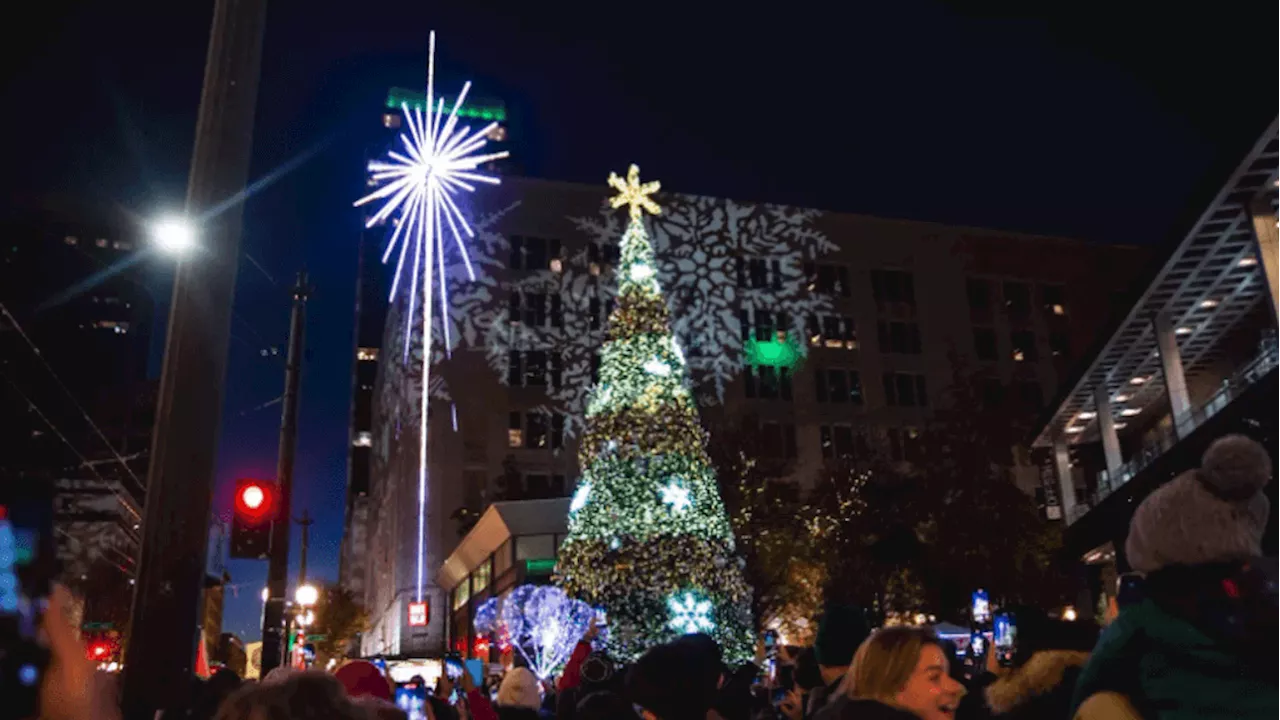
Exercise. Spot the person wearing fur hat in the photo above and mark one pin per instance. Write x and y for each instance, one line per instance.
(519, 695)
(1202, 640)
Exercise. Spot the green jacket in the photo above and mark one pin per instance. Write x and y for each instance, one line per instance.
(1170, 670)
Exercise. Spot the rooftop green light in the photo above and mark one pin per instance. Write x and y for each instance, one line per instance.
(418, 101)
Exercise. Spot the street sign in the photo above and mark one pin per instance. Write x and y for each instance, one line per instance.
(417, 614)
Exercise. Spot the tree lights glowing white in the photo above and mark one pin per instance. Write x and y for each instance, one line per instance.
(650, 542)
(417, 184)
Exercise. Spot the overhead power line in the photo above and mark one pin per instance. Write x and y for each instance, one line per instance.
(17, 326)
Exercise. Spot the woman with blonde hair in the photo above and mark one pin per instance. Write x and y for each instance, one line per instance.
(898, 673)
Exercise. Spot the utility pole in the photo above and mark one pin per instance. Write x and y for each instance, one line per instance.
(305, 522)
(164, 619)
(274, 628)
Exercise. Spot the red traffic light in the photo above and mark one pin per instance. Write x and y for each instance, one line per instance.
(255, 501)
(99, 650)
(252, 497)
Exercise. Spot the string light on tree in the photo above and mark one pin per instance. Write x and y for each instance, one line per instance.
(417, 185)
(655, 526)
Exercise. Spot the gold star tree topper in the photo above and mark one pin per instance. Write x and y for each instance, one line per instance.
(631, 192)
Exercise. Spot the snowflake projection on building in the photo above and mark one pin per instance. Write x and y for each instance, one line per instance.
(541, 623)
(416, 188)
(689, 613)
(700, 244)
(718, 262)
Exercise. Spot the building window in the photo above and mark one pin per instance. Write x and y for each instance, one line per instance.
(390, 120)
(893, 286)
(480, 577)
(536, 430)
(557, 431)
(367, 354)
(1017, 300)
(905, 390)
(984, 344)
(515, 431)
(759, 273)
(71, 240)
(502, 559)
(536, 436)
(122, 245)
(828, 279)
(1054, 299)
(599, 312)
(767, 382)
(837, 386)
(100, 242)
(898, 337)
(462, 593)
(599, 255)
(534, 253)
(527, 368)
(778, 440)
(832, 331)
(904, 444)
(763, 325)
(364, 438)
(1024, 345)
(1059, 344)
(535, 309)
(979, 292)
(837, 441)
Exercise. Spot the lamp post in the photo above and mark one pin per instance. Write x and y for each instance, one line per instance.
(165, 617)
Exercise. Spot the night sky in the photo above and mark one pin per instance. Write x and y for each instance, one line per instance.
(1092, 122)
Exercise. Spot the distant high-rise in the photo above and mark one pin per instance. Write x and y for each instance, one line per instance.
(75, 405)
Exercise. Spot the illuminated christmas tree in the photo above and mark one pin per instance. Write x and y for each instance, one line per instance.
(649, 540)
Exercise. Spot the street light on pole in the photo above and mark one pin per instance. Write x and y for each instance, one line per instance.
(306, 595)
(174, 235)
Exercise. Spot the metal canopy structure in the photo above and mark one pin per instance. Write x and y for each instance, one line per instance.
(1208, 283)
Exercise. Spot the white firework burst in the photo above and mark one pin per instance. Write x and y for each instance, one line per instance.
(417, 183)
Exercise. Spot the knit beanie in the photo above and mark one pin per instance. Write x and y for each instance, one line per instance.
(840, 631)
(1215, 514)
(520, 689)
(670, 681)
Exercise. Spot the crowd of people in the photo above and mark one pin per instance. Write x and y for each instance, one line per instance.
(1198, 640)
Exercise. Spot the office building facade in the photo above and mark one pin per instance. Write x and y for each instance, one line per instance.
(75, 402)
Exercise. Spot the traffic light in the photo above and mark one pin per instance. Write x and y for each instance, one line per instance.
(256, 506)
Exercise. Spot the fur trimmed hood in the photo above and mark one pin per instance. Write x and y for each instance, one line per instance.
(1039, 676)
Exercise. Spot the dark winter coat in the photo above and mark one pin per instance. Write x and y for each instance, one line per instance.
(819, 697)
(1170, 669)
(1039, 690)
(842, 708)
